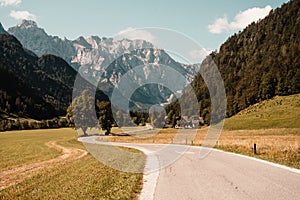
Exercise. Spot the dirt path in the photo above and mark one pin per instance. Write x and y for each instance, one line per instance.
(18, 174)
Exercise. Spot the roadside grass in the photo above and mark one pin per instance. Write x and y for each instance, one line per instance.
(279, 145)
(160, 136)
(120, 158)
(273, 125)
(85, 178)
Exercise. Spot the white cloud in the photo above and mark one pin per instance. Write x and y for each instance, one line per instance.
(22, 15)
(221, 25)
(10, 2)
(198, 55)
(241, 20)
(137, 34)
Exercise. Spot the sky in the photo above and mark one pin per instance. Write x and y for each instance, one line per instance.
(208, 22)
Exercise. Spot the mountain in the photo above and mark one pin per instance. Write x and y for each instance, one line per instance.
(2, 30)
(32, 86)
(43, 43)
(90, 51)
(150, 59)
(104, 57)
(258, 63)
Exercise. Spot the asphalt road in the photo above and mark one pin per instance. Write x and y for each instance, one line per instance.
(220, 175)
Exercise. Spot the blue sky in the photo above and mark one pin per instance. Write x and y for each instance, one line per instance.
(209, 23)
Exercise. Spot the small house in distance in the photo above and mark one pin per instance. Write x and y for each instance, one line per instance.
(189, 122)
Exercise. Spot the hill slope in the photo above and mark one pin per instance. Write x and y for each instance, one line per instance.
(278, 112)
(263, 60)
(258, 63)
(18, 98)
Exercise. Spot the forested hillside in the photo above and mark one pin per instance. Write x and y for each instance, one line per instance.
(263, 60)
(33, 87)
(258, 63)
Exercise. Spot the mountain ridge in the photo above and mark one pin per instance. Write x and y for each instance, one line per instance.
(102, 55)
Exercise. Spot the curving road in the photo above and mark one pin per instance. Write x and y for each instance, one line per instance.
(220, 175)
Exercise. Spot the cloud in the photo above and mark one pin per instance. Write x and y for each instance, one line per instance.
(198, 55)
(22, 15)
(10, 2)
(137, 34)
(241, 20)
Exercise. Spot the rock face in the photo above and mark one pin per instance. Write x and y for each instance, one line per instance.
(37, 40)
(105, 57)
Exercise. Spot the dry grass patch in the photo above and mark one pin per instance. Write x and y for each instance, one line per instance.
(276, 145)
(274, 125)
(280, 145)
(158, 136)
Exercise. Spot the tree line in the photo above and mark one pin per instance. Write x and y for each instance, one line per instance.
(26, 124)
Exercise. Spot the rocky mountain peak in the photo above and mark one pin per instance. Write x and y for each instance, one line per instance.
(27, 28)
(26, 24)
(82, 41)
(37, 40)
(94, 41)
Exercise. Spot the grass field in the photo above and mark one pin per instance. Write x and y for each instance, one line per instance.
(71, 178)
(273, 125)
(279, 112)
